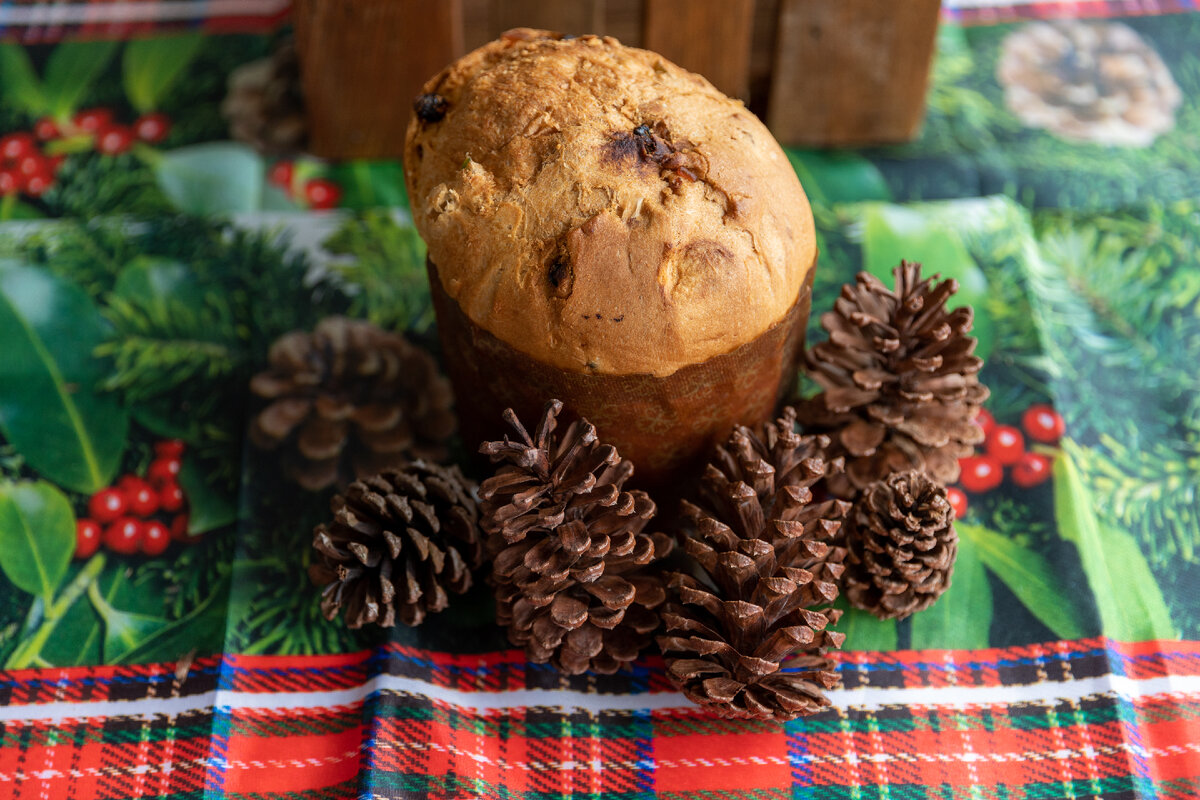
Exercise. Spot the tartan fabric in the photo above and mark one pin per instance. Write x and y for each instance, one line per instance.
(994, 12)
(1092, 718)
(44, 23)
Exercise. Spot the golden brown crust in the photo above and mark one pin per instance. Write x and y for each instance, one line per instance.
(603, 210)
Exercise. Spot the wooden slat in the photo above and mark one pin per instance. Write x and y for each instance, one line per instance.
(565, 16)
(623, 21)
(478, 25)
(711, 37)
(762, 54)
(363, 61)
(851, 72)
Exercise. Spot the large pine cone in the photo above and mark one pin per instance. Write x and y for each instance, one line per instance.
(902, 545)
(1088, 82)
(398, 543)
(265, 103)
(900, 382)
(349, 400)
(767, 572)
(569, 547)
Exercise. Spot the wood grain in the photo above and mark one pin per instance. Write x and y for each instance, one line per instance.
(572, 16)
(363, 61)
(711, 37)
(623, 21)
(851, 72)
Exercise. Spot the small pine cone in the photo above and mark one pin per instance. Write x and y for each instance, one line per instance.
(767, 572)
(901, 546)
(569, 547)
(264, 103)
(399, 541)
(349, 400)
(900, 382)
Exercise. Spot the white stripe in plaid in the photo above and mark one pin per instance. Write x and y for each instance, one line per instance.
(857, 699)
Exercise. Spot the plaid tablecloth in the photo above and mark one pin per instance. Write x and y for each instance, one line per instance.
(144, 278)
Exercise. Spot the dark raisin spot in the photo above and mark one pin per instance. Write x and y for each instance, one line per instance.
(431, 107)
(642, 130)
(562, 279)
(556, 273)
(618, 319)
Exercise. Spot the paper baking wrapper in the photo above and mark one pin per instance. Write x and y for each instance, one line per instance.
(666, 425)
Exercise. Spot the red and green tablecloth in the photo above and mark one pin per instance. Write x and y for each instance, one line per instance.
(145, 273)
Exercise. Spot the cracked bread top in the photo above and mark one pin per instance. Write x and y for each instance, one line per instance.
(601, 209)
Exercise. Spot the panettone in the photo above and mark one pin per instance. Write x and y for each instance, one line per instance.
(608, 228)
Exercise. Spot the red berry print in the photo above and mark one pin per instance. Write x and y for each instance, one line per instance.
(140, 497)
(281, 175)
(155, 538)
(124, 536)
(322, 193)
(87, 537)
(164, 470)
(106, 505)
(38, 183)
(1005, 444)
(113, 140)
(32, 164)
(11, 181)
(980, 474)
(1043, 423)
(152, 127)
(171, 498)
(17, 145)
(172, 448)
(46, 129)
(179, 529)
(92, 120)
(1031, 470)
(958, 501)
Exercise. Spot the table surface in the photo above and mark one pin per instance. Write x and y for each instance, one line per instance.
(1056, 179)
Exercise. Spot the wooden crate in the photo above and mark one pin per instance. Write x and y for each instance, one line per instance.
(820, 72)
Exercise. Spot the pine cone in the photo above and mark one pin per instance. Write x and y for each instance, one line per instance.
(901, 546)
(1088, 82)
(399, 541)
(264, 103)
(768, 565)
(569, 547)
(350, 400)
(900, 382)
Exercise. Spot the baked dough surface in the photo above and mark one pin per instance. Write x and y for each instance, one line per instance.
(603, 210)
